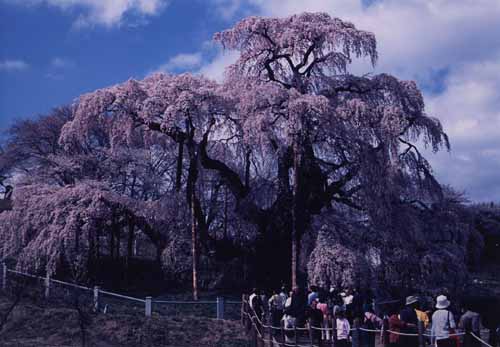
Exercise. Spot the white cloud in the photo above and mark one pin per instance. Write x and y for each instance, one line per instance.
(215, 68)
(13, 65)
(200, 63)
(469, 109)
(62, 63)
(101, 12)
(452, 47)
(181, 62)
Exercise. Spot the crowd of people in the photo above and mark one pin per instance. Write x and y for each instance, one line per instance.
(320, 308)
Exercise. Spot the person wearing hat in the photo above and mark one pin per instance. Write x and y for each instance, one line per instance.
(409, 317)
(442, 322)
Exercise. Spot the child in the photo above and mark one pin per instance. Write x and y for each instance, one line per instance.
(343, 329)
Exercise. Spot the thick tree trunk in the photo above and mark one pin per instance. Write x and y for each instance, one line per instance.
(295, 212)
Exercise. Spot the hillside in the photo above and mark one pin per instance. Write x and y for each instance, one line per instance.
(32, 325)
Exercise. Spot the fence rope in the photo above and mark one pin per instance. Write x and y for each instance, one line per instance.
(274, 341)
(121, 296)
(480, 340)
(25, 274)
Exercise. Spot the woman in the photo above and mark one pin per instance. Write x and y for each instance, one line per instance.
(443, 323)
(370, 322)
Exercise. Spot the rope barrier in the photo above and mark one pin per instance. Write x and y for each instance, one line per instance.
(370, 330)
(70, 284)
(121, 296)
(25, 274)
(400, 333)
(172, 302)
(480, 340)
(274, 341)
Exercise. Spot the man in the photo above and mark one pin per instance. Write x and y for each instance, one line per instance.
(409, 317)
(276, 305)
(442, 322)
(313, 295)
(470, 322)
(315, 316)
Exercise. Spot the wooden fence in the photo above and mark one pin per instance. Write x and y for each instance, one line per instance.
(104, 301)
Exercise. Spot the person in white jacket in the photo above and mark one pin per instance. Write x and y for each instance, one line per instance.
(443, 323)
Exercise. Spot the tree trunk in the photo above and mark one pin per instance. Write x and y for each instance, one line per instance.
(178, 177)
(130, 243)
(295, 212)
(194, 245)
(225, 214)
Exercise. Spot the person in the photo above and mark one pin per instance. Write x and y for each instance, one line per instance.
(370, 322)
(343, 329)
(288, 324)
(395, 326)
(408, 315)
(313, 295)
(323, 307)
(298, 306)
(264, 303)
(283, 294)
(256, 304)
(252, 296)
(288, 303)
(276, 306)
(470, 322)
(357, 304)
(315, 316)
(348, 298)
(442, 322)
(422, 315)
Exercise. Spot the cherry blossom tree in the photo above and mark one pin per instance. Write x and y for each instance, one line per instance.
(291, 156)
(350, 139)
(293, 115)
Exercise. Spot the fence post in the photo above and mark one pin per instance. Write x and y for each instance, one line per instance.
(310, 334)
(47, 285)
(295, 334)
(148, 306)
(96, 298)
(334, 329)
(243, 309)
(421, 339)
(385, 332)
(355, 333)
(220, 307)
(4, 276)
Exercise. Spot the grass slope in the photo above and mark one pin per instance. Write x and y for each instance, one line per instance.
(32, 325)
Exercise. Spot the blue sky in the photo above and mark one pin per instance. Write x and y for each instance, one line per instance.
(54, 50)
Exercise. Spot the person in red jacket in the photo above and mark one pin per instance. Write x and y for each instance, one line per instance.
(395, 326)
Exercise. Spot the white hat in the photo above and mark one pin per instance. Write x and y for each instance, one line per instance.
(411, 300)
(442, 302)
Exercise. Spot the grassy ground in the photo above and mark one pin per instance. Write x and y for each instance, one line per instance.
(31, 324)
